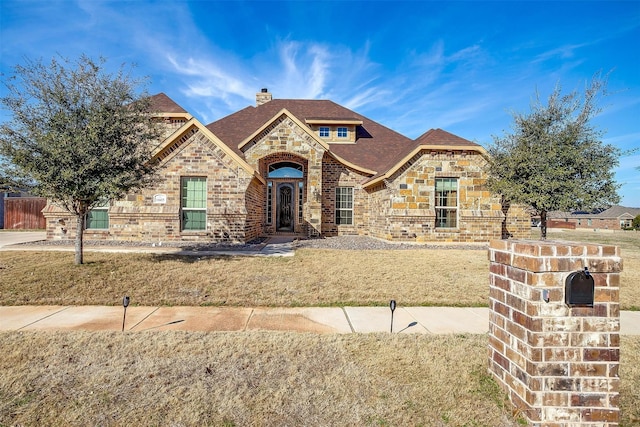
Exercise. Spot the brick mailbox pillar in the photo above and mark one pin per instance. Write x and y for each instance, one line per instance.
(558, 363)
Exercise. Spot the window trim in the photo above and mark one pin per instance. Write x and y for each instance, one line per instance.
(87, 219)
(184, 209)
(440, 208)
(339, 209)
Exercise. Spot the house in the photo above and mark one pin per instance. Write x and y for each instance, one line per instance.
(307, 168)
(613, 218)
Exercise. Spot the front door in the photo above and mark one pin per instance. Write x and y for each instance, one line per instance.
(284, 208)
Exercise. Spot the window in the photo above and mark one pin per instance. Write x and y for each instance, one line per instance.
(344, 205)
(194, 203)
(300, 200)
(446, 202)
(324, 132)
(285, 170)
(269, 205)
(342, 132)
(98, 218)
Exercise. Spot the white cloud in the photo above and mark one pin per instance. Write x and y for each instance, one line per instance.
(302, 72)
(562, 52)
(207, 79)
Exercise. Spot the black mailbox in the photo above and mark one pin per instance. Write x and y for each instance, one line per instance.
(579, 289)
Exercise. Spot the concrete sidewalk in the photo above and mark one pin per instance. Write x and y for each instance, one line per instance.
(421, 320)
(279, 246)
(8, 238)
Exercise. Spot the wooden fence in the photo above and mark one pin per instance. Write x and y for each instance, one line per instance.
(24, 213)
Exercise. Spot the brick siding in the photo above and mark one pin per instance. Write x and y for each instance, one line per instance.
(558, 364)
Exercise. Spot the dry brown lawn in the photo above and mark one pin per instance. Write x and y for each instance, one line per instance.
(313, 277)
(261, 379)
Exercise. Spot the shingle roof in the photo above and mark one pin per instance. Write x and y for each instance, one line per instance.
(163, 104)
(619, 211)
(442, 137)
(372, 150)
(613, 212)
(377, 147)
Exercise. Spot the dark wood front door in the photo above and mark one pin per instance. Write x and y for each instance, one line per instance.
(284, 208)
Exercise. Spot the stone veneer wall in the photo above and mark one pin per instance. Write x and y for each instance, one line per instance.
(404, 208)
(559, 364)
(300, 227)
(285, 136)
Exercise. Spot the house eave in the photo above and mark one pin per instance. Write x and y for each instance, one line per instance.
(180, 115)
(428, 147)
(193, 122)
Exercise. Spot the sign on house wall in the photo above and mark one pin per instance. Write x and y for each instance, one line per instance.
(160, 198)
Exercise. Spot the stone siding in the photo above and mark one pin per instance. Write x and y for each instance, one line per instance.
(404, 209)
(284, 135)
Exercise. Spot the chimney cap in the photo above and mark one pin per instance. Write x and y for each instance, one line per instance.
(264, 90)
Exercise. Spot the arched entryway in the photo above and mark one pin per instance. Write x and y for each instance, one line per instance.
(285, 197)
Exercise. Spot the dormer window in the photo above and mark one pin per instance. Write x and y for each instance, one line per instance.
(335, 130)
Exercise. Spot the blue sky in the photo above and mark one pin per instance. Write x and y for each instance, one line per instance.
(462, 66)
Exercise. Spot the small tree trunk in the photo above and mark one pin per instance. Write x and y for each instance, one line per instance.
(79, 234)
(543, 225)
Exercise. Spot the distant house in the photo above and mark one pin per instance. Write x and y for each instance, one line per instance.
(613, 218)
(305, 168)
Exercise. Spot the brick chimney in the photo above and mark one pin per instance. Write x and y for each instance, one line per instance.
(263, 97)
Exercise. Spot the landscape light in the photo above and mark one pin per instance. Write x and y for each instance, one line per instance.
(125, 304)
(392, 306)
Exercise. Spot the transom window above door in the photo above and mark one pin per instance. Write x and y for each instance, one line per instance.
(285, 170)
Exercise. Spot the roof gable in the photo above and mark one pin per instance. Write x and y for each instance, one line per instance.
(433, 139)
(374, 142)
(165, 105)
(165, 151)
(277, 117)
(442, 137)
